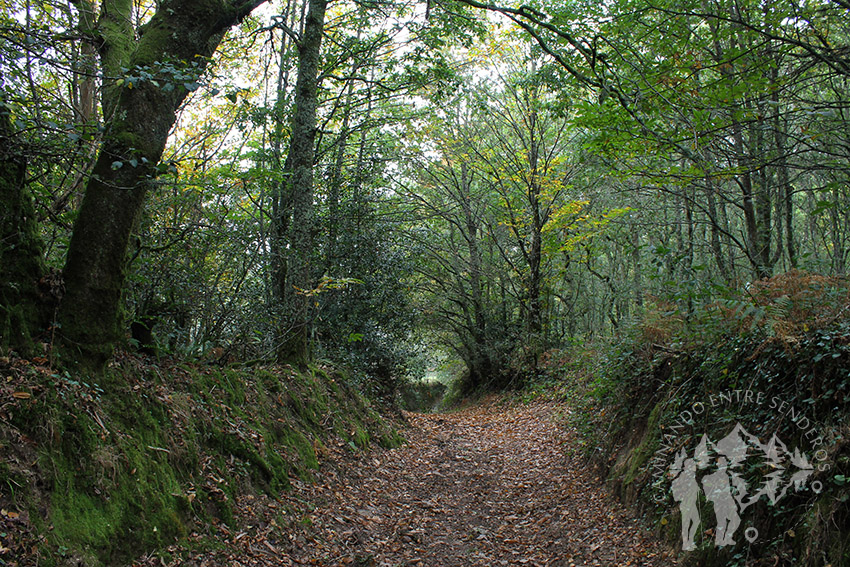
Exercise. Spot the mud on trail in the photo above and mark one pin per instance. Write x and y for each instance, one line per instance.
(490, 485)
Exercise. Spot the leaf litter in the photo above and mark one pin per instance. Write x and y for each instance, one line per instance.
(490, 485)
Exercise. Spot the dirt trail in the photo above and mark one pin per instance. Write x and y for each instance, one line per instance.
(490, 485)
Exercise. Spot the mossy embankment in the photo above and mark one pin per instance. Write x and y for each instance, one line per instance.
(776, 362)
(97, 471)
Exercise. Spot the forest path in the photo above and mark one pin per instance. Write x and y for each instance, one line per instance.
(489, 485)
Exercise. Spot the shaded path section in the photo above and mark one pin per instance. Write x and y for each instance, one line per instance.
(490, 485)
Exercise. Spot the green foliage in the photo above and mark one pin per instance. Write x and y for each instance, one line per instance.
(421, 395)
(788, 342)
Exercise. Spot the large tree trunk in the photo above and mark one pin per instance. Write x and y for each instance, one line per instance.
(295, 335)
(180, 38)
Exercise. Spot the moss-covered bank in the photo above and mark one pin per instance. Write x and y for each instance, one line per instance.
(99, 478)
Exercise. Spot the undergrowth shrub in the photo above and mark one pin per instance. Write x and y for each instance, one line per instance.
(786, 341)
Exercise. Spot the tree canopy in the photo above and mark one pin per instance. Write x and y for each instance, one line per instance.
(371, 182)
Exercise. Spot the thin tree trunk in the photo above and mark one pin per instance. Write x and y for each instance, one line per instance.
(785, 195)
(24, 311)
(482, 356)
(755, 245)
(837, 233)
(280, 201)
(535, 249)
(762, 197)
(714, 221)
(335, 179)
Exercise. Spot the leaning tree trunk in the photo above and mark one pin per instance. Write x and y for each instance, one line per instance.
(177, 42)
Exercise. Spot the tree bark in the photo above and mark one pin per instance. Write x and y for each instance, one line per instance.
(295, 335)
(181, 37)
(757, 249)
(482, 366)
(783, 179)
(23, 309)
(714, 221)
(535, 249)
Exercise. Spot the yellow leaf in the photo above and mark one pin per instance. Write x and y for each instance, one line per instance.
(22, 395)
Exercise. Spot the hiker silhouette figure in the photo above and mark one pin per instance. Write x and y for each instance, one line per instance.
(718, 489)
(725, 487)
(686, 492)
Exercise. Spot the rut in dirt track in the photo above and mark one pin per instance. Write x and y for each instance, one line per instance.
(490, 485)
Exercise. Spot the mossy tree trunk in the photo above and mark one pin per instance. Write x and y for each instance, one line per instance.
(23, 310)
(296, 329)
(175, 44)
